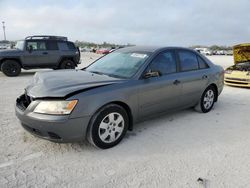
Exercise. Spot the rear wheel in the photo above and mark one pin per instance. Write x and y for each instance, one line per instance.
(108, 126)
(207, 100)
(11, 68)
(67, 64)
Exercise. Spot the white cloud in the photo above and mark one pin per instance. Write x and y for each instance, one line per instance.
(139, 22)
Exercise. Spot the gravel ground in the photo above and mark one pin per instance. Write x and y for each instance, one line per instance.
(173, 150)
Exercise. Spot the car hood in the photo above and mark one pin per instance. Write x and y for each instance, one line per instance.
(10, 52)
(241, 53)
(64, 82)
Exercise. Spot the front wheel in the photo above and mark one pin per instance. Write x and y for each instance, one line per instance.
(11, 68)
(207, 100)
(108, 126)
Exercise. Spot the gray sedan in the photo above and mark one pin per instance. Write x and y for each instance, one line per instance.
(104, 100)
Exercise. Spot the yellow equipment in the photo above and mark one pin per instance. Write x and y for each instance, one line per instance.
(239, 73)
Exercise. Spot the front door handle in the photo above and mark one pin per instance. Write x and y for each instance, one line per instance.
(45, 53)
(176, 82)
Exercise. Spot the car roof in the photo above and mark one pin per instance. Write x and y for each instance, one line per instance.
(148, 48)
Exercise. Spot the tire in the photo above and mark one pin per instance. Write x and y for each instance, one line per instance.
(67, 64)
(207, 100)
(108, 126)
(11, 68)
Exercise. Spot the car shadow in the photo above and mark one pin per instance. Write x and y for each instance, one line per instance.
(165, 132)
(143, 130)
(25, 74)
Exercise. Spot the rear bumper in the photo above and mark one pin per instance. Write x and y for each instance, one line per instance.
(54, 128)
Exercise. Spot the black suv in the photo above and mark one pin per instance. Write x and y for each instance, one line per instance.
(39, 51)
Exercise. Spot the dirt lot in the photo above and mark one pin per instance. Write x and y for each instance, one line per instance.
(173, 150)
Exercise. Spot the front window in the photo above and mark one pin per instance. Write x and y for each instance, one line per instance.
(36, 45)
(164, 63)
(119, 64)
(19, 45)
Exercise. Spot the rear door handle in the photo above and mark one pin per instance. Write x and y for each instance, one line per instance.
(176, 82)
(204, 77)
(45, 53)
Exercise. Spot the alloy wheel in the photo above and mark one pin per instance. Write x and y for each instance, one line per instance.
(208, 99)
(111, 127)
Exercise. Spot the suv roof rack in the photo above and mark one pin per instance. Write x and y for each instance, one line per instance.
(48, 37)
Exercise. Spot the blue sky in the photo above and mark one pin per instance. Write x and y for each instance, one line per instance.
(142, 22)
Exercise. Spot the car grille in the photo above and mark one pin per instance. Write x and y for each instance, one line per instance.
(239, 83)
(32, 130)
(43, 134)
(238, 79)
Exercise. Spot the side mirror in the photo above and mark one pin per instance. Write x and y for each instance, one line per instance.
(30, 48)
(151, 73)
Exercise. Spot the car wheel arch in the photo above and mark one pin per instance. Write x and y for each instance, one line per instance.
(61, 60)
(216, 90)
(13, 59)
(123, 105)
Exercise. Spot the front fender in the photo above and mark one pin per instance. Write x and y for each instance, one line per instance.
(91, 101)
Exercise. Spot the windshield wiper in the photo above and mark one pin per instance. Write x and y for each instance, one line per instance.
(115, 76)
(110, 75)
(96, 72)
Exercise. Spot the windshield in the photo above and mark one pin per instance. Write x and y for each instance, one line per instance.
(19, 45)
(119, 64)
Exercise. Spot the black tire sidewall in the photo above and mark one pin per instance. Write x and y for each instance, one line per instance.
(65, 62)
(96, 123)
(5, 66)
(203, 109)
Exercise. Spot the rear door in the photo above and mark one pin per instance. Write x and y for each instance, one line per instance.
(158, 94)
(53, 52)
(193, 76)
(38, 57)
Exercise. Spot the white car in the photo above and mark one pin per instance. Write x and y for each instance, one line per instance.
(204, 51)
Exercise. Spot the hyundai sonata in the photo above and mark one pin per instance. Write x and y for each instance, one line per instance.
(104, 100)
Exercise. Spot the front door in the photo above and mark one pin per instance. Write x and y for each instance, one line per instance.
(36, 54)
(159, 94)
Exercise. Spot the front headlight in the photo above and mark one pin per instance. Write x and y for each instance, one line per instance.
(228, 71)
(55, 107)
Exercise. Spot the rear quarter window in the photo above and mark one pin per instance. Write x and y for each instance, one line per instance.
(71, 46)
(202, 63)
(63, 46)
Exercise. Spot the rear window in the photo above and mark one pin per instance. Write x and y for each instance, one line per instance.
(188, 61)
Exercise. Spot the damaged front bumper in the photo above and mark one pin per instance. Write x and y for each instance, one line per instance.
(56, 128)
